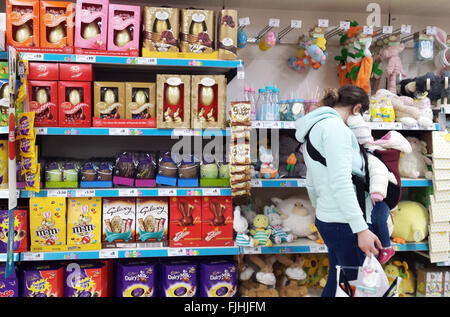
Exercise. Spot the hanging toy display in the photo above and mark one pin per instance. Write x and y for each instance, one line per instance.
(267, 41)
(312, 51)
(394, 67)
(241, 39)
(423, 43)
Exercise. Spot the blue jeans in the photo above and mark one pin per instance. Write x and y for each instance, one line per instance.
(380, 214)
(343, 250)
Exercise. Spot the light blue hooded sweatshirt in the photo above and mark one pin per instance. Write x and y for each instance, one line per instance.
(330, 188)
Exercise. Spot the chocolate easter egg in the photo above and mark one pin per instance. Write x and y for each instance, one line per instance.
(160, 25)
(4, 91)
(74, 97)
(23, 33)
(41, 96)
(122, 38)
(109, 97)
(56, 34)
(206, 95)
(173, 95)
(91, 30)
(196, 28)
(140, 98)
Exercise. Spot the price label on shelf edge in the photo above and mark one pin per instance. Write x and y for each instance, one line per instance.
(176, 252)
(387, 29)
(42, 131)
(244, 21)
(128, 192)
(252, 250)
(344, 25)
(275, 23)
(119, 131)
(147, 61)
(85, 193)
(163, 192)
(296, 24)
(321, 248)
(323, 23)
(405, 29)
(85, 58)
(211, 192)
(183, 132)
(108, 254)
(33, 256)
(256, 183)
(56, 193)
(33, 56)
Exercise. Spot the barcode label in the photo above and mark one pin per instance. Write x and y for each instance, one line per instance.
(176, 252)
(85, 58)
(240, 75)
(431, 30)
(272, 125)
(289, 125)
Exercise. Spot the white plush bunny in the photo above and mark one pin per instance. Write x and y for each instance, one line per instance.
(279, 233)
(266, 157)
(240, 225)
(414, 164)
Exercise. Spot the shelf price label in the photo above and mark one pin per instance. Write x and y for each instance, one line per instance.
(318, 248)
(108, 254)
(33, 56)
(211, 192)
(368, 30)
(42, 131)
(167, 192)
(256, 124)
(57, 193)
(296, 24)
(176, 252)
(405, 29)
(387, 29)
(256, 183)
(344, 25)
(183, 132)
(272, 124)
(252, 250)
(275, 23)
(323, 23)
(119, 131)
(244, 21)
(289, 124)
(85, 58)
(147, 61)
(85, 193)
(33, 256)
(128, 192)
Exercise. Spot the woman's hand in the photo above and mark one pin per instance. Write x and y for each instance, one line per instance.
(367, 241)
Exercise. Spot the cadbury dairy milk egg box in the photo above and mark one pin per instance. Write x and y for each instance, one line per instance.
(218, 279)
(136, 278)
(178, 279)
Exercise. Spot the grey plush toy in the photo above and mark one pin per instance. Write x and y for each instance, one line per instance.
(289, 145)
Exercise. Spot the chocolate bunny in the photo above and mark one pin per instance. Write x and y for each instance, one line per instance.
(218, 210)
(186, 211)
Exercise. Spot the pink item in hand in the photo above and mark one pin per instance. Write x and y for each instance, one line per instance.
(376, 197)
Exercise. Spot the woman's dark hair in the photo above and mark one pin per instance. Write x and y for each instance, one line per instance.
(346, 96)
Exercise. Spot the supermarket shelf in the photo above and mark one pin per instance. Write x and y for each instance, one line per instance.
(308, 246)
(127, 192)
(4, 194)
(3, 257)
(128, 253)
(373, 125)
(446, 263)
(4, 55)
(291, 182)
(4, 130)
(131, 132)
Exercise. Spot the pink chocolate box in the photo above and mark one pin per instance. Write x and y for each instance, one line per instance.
(88, 11)
(124, 17)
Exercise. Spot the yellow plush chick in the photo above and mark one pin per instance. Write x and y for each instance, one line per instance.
(321, 43)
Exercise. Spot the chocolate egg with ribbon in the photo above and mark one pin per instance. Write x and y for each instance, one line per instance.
(91, 30)
(23, 32)
(41, 96)
(122, 38)
(140, 98)
(173, 95)
(109, 97)
(56, 34)
(74, 97)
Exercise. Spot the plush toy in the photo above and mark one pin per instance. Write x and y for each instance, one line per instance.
(414, 164)
(294, 273)
(311, 266)
(279, 234)
(445, 93)
(314, 56)
(298, 215)
(291, 160)
(261, 233)
(417, 87)
(324, 270)
(267, 169)
(249, 212)
(410, 221)
(394, 269)
(316, 231)
(240, 225)
(394, 65)
(265, 277)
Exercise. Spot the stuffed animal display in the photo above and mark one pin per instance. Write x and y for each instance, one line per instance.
(394, 269)
(410, 221)
(312, 51)
(415, 164)
(430, 84)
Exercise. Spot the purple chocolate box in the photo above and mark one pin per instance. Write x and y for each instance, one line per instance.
(218, 279)
(136, 279)
(41, 280)
(8, 287)
(88, 283)
(178, 279)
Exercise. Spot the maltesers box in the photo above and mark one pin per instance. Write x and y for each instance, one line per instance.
(43, 100)
(217, 221)
(185, 228)
(173, 99)
(140, 100)
(109, 100)
(208, 101)
(123, 28)
(56, 24)
(74, 103)
(22, 27)
(75, 72)
(43, 71)
(91, 24)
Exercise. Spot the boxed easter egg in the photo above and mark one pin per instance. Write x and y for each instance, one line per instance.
(208, 101)
(85, 279)
(161, 27)
(137, 279)
(84, 223)
(173, 100)
(74, 104)
(185, 228)
(91, 24)
(429, 282)
(4, 102)
(123, 28)
(20, 230)
(22, 27)
(3, 164)
(218, 278)
(227, 34)
(178, 278)
(217, 221)
(43, 71)
(75, 72)
(9, 287)
(119, 217)
(140, 100)
(42, 280)
(152, 218)
(197, 31)
(47, 224)
(56, 24)
(109, 100)
(43, 100)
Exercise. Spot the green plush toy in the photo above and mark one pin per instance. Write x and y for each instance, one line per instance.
(410, 221)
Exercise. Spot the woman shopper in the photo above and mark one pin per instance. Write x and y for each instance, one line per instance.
(335, 169)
